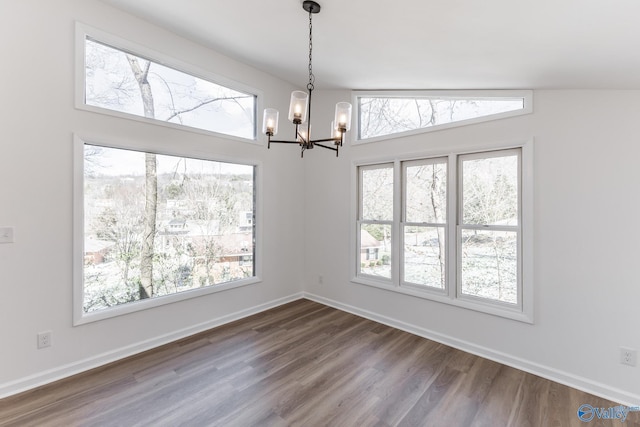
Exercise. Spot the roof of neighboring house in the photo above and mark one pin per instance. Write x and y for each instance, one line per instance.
(368, 241)
(95, 245)
(237, 243)
(192, 228)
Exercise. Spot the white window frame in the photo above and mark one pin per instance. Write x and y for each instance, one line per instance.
(526, 95)
(361, 220)
(84, 31)
(79, 316)
(460, 225)
(523, 311)
(404, 223)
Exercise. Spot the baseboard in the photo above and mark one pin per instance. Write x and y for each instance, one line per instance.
(566, 378)
(42, 378)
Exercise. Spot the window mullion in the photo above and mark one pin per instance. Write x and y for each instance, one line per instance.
(451, 242)
(397, 240)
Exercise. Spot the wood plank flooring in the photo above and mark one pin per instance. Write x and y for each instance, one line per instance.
(303, 364)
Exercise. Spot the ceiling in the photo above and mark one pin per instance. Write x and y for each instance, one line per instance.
(419, 44)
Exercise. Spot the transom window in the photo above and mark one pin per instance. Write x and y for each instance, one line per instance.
(118, 81)
(398, 113)
(449, 228)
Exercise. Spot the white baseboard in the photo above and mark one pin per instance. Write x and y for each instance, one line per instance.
(566, 378)
(45, 377)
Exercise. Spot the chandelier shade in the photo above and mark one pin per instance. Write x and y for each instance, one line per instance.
(300, 109)
(270, 121)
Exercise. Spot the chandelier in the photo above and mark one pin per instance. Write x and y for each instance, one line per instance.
(300, 109)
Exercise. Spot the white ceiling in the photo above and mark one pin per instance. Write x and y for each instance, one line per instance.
(419, 44)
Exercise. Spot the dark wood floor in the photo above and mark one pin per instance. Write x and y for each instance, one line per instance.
(303, 364)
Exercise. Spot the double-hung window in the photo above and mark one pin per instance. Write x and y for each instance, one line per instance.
(376, 220)
(452, 228)
(489, 225)
(424, 223)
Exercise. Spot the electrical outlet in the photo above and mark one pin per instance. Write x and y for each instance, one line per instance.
(44, 339)
(628, 356)
(320, 280)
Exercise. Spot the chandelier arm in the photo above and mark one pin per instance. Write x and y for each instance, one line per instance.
(326, 146)
(275, 141)
(316, 141)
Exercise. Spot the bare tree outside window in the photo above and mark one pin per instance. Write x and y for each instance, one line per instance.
(202, 236)
(489, 236)
(380, 116)
(120, 81)
(425, 204)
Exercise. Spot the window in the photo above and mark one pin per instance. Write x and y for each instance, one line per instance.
(463, 229)
(153, 228)
(380, 114)
(424, 223)
(375, 219)
(489, 225)
(119, 82)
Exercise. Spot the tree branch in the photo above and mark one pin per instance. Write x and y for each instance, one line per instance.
(208, 101)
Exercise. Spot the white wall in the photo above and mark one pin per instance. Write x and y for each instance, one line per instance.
(587, 284)
(38, 121)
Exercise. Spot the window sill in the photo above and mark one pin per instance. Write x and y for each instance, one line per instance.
(82, 318)
(435, 295)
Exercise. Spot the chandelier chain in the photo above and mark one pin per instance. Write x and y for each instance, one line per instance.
(312, 78)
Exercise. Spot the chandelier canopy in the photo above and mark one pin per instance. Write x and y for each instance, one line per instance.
(300, 109)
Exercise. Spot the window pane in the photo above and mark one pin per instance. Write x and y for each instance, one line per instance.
(424, 256)
(426, 193)
(490, 191)
(202, 230)
(377, 194)
(375, 250)
(119, 81)
(388, 115)
(489, 265)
